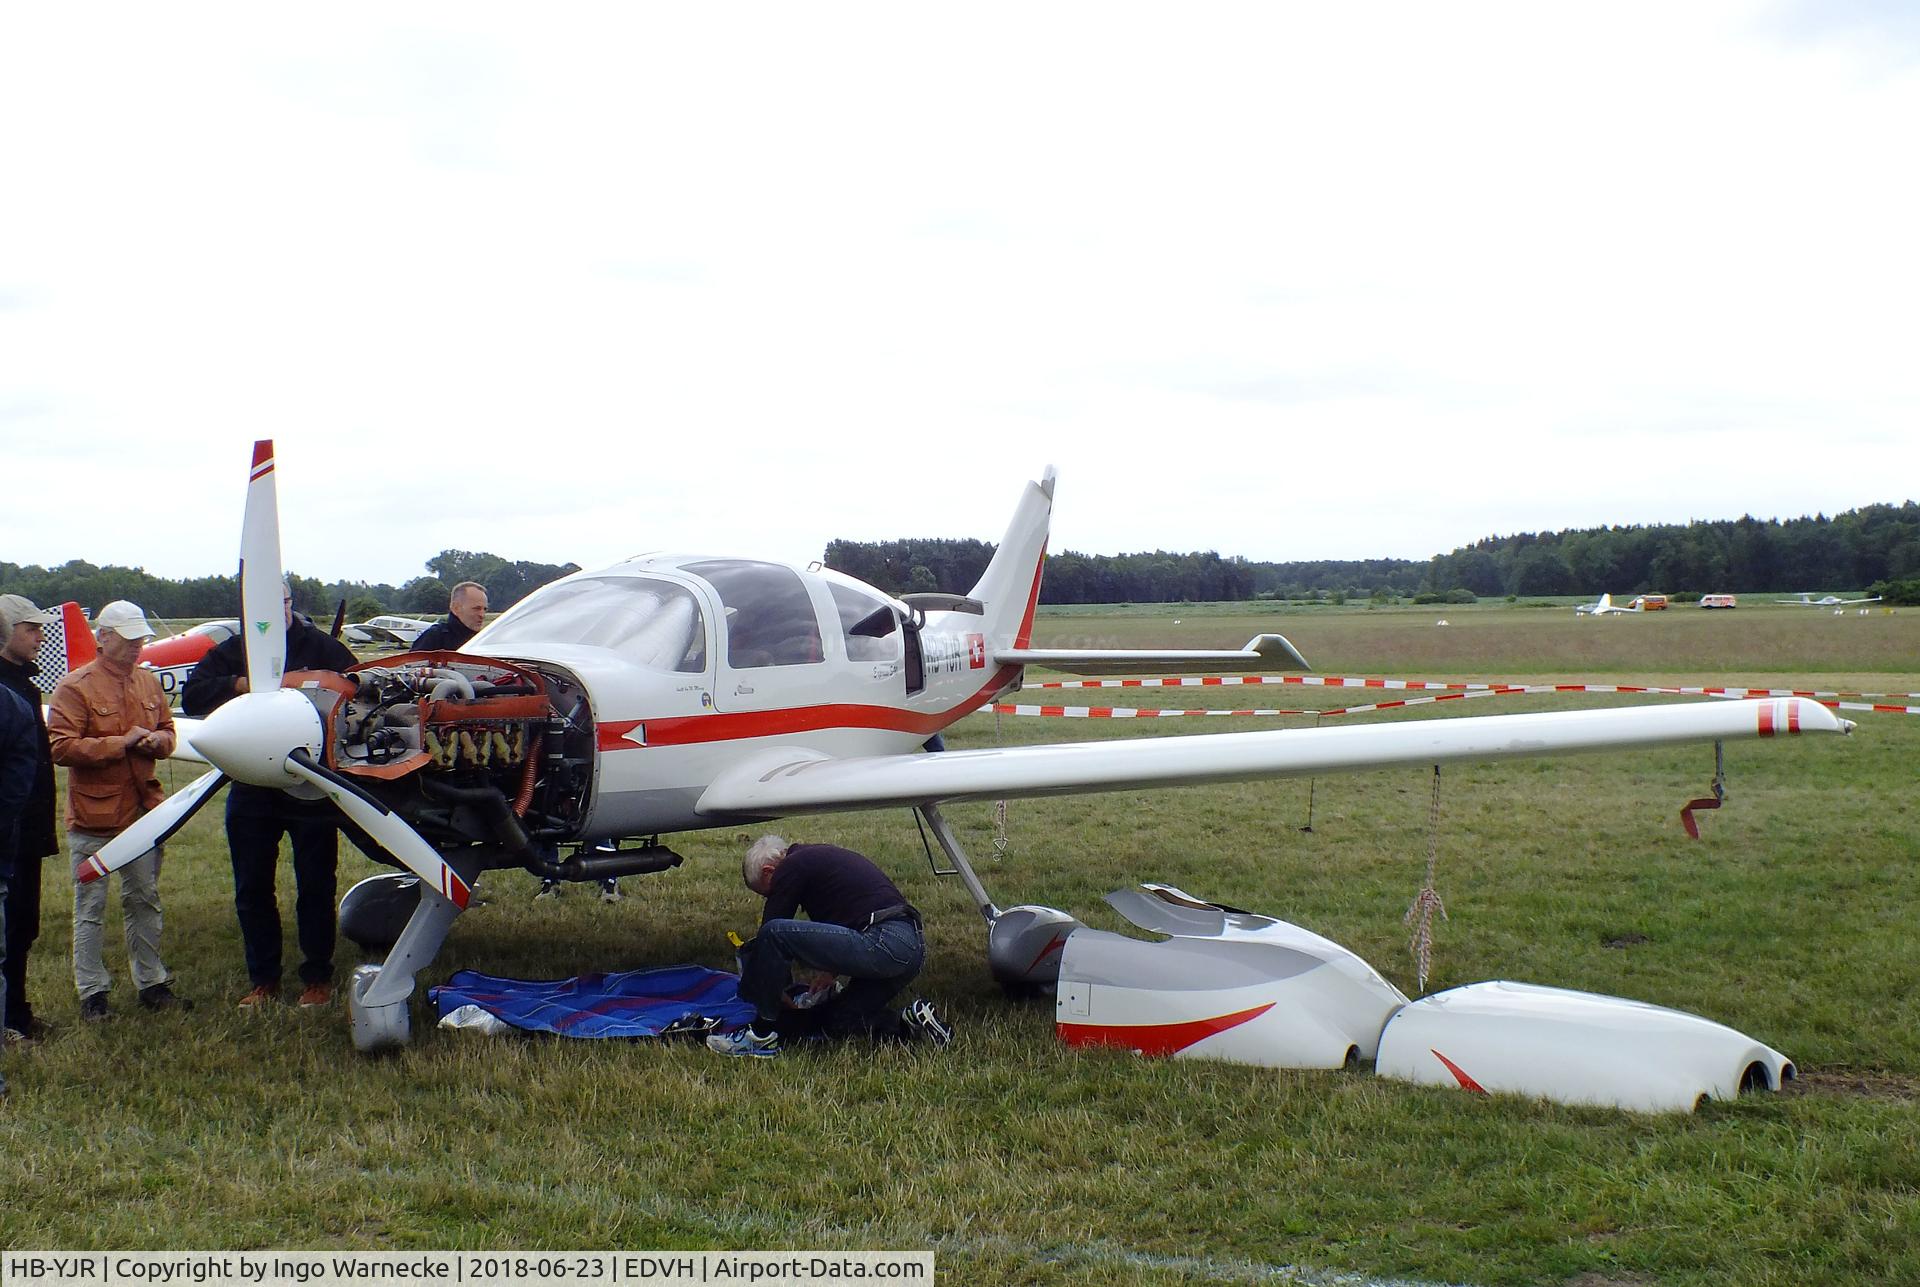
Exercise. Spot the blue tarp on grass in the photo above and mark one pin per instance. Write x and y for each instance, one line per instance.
(633, 1003)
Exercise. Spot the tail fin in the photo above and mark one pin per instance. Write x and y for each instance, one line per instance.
(66, 644)
(1010, 587)
(1606, 601)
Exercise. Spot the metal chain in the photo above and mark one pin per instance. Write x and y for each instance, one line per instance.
(1427, 901)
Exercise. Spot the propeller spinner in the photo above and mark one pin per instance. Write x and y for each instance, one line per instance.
(271, 736)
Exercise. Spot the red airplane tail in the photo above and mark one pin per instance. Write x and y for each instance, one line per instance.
(66, 644)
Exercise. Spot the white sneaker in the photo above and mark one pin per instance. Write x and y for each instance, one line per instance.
(923, 1022)
(743, 1041)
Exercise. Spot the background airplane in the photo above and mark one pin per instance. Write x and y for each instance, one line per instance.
(392, 630)
(1826, 601)
(681, 692)
(1604, 606)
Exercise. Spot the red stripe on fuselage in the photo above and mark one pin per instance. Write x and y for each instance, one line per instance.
(688, 730)
(1154, 1038)
(1766, 719)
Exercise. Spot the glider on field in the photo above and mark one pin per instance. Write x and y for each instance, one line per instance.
(1826, 601)
(1604, 606)
(677, 692)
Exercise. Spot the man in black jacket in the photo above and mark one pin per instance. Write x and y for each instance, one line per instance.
(466, 613)
(18, 766)
(20, 623)
(258, 816)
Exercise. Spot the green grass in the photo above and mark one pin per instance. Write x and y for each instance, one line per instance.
(1018, 1160)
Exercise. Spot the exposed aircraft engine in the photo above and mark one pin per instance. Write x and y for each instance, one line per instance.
(472, 753)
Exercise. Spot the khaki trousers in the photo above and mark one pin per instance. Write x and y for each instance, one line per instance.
(139, 909)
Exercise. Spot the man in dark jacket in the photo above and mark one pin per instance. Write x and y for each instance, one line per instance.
(19, 763)
(258, 816)
(466, 613)
(860, 928)
(20, 623)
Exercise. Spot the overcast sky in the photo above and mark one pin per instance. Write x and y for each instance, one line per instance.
(575, 282)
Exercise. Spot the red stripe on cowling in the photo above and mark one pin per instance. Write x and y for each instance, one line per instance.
(1466, 1082)
(1154, 1038)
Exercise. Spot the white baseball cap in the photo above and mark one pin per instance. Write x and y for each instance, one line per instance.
(124, 619)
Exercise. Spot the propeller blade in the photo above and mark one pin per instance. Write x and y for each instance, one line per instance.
(385, 826)
(263, 619)
(152, 829)
(339, 618)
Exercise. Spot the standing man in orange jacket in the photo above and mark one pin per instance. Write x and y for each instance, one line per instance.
(108, 722)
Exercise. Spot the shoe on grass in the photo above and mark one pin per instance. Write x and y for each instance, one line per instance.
(94, 1008)
(316, 995)
(262, 996)
(923, 1023)
(548, 889)
(162, 997)
(610, 890)
(744, 1042)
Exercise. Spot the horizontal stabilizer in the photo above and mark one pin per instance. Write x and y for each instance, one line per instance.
(1262, 653)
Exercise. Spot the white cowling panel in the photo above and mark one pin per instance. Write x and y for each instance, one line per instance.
(1571, 1048)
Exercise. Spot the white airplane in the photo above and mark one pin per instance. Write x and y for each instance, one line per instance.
(679, 692)
(1828, 601)
(1604, 606)
(392, 630)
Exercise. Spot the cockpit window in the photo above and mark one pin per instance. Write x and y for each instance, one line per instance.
(871, 628)
(770, 619)
(651, 623)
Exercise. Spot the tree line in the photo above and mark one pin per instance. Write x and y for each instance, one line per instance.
(1876, 548)
(507, 582)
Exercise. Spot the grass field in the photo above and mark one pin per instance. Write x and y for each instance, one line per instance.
(1017, 1160)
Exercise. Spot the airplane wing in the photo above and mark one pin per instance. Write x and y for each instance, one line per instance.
(790, 780)
(1262, 652)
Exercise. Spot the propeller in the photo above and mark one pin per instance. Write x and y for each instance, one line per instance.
(263, 618)
(271, 736)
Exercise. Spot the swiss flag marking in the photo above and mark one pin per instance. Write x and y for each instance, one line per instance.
(976, 652)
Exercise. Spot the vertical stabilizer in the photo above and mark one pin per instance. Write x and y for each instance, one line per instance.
(1010, 586)
(66, 644)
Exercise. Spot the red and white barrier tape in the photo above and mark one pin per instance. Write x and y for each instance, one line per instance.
(1412, 685)
(1462, 691)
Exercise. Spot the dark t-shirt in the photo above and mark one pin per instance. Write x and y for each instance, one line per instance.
(831, 884)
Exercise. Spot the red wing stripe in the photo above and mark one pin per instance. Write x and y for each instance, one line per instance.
(1154, 1038)
(1766, 719)
(1466, 1082)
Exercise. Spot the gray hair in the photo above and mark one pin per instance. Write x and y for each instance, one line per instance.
(767, 849)
(465, 585)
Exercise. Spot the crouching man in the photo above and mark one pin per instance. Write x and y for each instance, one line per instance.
(859, 928)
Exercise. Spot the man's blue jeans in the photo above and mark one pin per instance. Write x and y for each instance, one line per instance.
(878, 961)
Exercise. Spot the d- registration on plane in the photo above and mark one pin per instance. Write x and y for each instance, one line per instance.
(677, 692)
